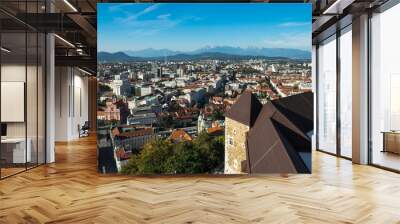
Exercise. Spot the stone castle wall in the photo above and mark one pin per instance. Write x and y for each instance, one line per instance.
(234, 153)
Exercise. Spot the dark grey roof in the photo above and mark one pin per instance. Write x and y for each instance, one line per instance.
(246, 109)
(278, 139)
(298, 109)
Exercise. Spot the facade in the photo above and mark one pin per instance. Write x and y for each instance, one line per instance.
(235, 146)
(111, 112)
(116, 86)
(120, 85)
(203, 123)
(180, 72)
(125, 143)
(133, 140)
(143, 90)
(195, 96)
(142, 119)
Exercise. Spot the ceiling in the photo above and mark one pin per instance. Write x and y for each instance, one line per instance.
(73, 21)
(329, 14)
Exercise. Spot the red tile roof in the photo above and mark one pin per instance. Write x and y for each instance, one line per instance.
(180, 135)
(215, 130)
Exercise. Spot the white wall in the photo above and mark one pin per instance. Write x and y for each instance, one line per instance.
(80, 115)
(61, 103)
(33, 126)
(71, 102)
(12, 73)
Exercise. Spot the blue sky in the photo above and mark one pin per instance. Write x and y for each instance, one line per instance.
(190, 26)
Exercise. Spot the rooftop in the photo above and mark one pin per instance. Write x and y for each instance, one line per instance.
(245, 110)
(136, 133)
(278, 140)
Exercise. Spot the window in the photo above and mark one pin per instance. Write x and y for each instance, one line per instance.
(385, 89)
(230, 140)
(327, 95)
(22, 74)
(346, 92)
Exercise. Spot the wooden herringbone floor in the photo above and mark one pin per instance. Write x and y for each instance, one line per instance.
(71, 191)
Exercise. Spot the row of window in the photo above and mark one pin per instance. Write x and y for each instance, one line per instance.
(334, 91)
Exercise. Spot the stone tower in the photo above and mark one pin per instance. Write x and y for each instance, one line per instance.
(238, 121)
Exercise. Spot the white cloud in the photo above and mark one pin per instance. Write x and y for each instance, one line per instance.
(143, 32)
(118, 7)
(289, 40)
(149, 26)
(294, 24)
(152, 26)
(164, 16)
(146, 27)
(135, 16)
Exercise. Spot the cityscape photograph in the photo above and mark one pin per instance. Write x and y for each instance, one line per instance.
(204, 88)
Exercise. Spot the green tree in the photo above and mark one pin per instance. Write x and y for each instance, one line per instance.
(217, 115)
(104, 88)
(153, 156)
(151, 159)
(131, 168)
(212, 150)
(185, 160)
(205, 154)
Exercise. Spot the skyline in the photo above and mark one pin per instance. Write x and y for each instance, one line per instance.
(185, 27)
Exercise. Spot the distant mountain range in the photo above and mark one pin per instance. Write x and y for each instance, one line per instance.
(206, 53)
(253, 51)
(150, 53)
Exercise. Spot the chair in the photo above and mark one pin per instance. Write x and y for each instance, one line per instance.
(84, 130)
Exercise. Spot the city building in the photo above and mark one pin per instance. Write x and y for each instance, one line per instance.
(121, 86)
(135, 139)
(194, 96)
(143, 90)
(128, 142)
(203, 122)
(142, 119)
(110, 112)
(180, 72)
